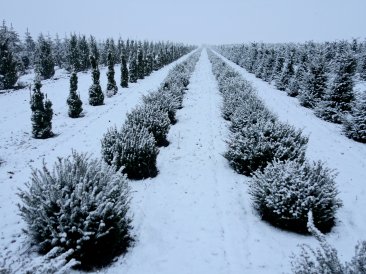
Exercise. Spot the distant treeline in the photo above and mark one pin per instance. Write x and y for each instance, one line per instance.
(73, 53)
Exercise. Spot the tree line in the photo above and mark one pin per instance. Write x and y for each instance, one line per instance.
(321, 75)
(73, 53)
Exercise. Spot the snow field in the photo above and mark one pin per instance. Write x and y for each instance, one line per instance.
(21, 152)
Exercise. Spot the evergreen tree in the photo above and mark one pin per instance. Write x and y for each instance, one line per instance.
(84, 53)
(94, 48)
(354, 125)
(41, 113)
(283, 80)
(338, 98)
(74, 101)
(133, 70)
(140, 64)
(96, 96)
(73, 54)
(8, 67)
(104, 53)
(124, 72)
(111, 85)
(58, 52)
(29, 49)
(45, 65)
(314, 84)
(363, 67)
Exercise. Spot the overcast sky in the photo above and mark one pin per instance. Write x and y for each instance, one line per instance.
(192, 21)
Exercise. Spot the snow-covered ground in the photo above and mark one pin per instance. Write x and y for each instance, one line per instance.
(20, 151)
(196, 215)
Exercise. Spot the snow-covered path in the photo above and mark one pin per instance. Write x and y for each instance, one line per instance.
(189, 219)
(326, 143)
(20, 151)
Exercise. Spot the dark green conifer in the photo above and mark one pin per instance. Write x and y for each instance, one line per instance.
(111, 85)
(41, 113)
(124, 72)
(74, 101)
(96, 96)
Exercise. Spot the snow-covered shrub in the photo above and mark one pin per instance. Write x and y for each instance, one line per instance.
(80, 205)
(285, 191)
(42, 113)
(354, 124)
(166, 101)
(258, 144)
(250, 112)
(154, 119)
(133, 149)
(96, 96)
(325, 259)
(73, 100)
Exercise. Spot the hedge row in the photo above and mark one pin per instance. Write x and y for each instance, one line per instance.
(284, 186)
(134, 148)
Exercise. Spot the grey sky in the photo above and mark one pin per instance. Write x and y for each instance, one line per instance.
(192, 21)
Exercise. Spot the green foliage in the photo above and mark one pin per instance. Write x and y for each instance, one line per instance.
(96, 96)
(8, 67)
(74, 101)
(41, 113)
(111, 85)
(45, 65)
(124, 72)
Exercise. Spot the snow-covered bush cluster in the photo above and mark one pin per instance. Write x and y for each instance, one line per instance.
(325, 259)
(320, 75)
(285, 191)
(257, 137)
(134, 148)
(284, 186)
(81, 208)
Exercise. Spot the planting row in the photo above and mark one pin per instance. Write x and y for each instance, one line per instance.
(286, 190)
(284, 187)
(78, 213)
(321, 76)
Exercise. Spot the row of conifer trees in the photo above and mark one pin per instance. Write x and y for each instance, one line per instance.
(72, 53)
(321, 75)
(78, 214)
(286, 190)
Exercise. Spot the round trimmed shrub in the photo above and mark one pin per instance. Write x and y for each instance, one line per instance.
(260, 143)
(285, 191)
(133, 150)
(154, 119)
(81, 205)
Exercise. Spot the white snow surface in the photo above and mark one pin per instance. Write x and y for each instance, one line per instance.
(196, 216)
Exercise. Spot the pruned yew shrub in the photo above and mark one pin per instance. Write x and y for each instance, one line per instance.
(81, 205)
(285, 191)
(165, 101)
(325, 259)
(260, 143)
(132, 149)
(154, 119)
(251, 111)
